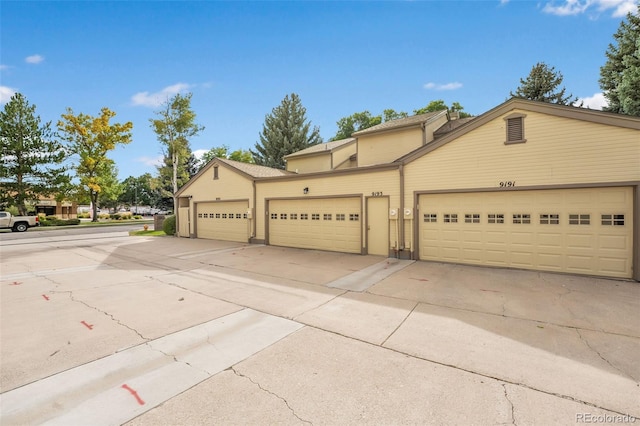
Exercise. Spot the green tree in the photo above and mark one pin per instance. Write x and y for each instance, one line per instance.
(439, 105)
(107, 178)
(89, 140)
(137, 191)
(32, 159)
(620, 75)
(223, 151)
(175, 125)
(356, 122)
(543, 84)
(391, 114)
(285, 131)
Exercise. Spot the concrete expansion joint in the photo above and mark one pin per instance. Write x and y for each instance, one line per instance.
(588, 345)
(506, 395)
(237, 373)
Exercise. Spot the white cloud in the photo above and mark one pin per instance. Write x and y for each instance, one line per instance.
(34, 59)
(597, 101)
(156, 99)
(198, 153)
(619, 8)
(4, 67)
(151, 161)
(447, 86)
(5, 94)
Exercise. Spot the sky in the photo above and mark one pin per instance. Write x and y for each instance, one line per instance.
(239, 59)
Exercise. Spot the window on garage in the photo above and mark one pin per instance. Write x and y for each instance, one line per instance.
(521, 218)
(495, 218)
(472, 218)
(613, 219)
(450, 218)
(549, 219)
(579, 219)
(430, 217)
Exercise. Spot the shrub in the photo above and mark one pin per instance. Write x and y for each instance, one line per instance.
(137, 217)
(84, 215)
(169, 225)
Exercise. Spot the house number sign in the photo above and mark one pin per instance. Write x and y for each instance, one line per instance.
(507, 183)
(376, 194)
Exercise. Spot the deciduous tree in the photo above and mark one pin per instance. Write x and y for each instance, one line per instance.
(223, 151)
(439, 105)
(620, 75)
(89, 140)
(32, 158)
(543, 84)
(285, 131)
(356, 122)
(174, 127)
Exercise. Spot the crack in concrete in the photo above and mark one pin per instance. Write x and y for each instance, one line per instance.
(175, 358)
(400, 325)
(506, 395)
(117, 321)
(587, 344)
(237, 373)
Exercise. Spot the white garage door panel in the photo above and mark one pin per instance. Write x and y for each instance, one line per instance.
(332, 224)
(225, 220)
(570, 230)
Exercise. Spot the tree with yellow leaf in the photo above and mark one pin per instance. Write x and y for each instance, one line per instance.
(89, 140)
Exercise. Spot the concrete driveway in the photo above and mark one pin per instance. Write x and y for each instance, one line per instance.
(114, 329)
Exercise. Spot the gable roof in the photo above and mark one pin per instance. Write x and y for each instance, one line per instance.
(576, 113)
(250, 171)
(321, 148)
(253, 170)
(413, 121)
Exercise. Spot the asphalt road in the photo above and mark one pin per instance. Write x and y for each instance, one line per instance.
(53, 232)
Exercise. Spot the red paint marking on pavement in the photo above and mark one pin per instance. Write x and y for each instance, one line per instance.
(45, 297)
(89, 326)
(134, 393)
(15, 283)
(419, 279)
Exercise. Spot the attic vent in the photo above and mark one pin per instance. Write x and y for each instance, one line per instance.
(515, 129)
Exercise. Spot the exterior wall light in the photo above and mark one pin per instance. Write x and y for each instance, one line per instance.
(306, 190)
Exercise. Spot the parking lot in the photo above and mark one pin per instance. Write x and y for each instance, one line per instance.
(111, 329)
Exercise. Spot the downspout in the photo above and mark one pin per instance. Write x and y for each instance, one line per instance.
(401, 212)
(254, 213)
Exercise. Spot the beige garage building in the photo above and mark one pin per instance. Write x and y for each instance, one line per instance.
(526, 185)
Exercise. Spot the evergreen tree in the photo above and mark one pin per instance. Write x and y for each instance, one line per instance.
(543, 84)
(620, 75)
(31, 157)
(285, 131)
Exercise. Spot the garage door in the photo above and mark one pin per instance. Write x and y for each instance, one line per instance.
(583, 231)
(225, 220)
(332, 224)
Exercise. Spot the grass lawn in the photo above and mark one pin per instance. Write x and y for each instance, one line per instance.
(148, 233)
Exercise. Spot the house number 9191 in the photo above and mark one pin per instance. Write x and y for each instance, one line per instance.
(507, 183)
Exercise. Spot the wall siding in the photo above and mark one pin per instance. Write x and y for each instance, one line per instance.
(343, 153)
(387, 147)
(228, 186)
(315, 163)
(385, 182)
(558, 151)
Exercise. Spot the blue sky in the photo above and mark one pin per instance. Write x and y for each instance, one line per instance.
(239, 59)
